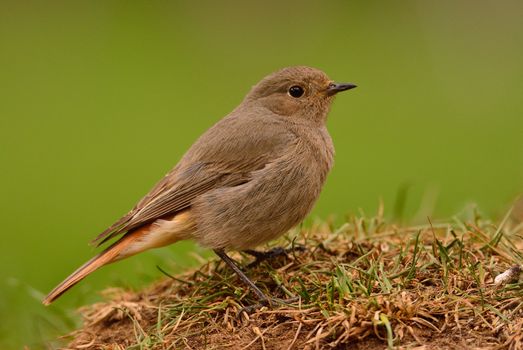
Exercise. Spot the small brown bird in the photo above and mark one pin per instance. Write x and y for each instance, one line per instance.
(251, 177)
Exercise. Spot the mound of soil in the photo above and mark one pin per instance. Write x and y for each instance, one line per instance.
(365, 285)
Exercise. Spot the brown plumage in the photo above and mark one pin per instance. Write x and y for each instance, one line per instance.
(248, 179)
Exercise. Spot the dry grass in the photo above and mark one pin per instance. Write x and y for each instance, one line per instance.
(364, 285)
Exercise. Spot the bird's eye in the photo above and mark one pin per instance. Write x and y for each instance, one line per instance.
(296, 91)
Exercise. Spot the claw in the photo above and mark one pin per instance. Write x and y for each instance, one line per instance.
(270, 254)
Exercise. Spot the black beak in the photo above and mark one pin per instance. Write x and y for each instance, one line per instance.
(334, 88)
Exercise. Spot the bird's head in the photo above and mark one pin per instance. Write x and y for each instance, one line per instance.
(298, 92)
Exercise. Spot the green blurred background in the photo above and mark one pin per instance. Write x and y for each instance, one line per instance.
(100, 99)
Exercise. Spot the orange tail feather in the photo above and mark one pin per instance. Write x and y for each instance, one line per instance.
(109, 255)
(157, 234)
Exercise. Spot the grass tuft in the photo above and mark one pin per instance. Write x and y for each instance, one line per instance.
(365, 285)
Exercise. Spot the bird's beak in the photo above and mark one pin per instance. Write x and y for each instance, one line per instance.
(334, 88)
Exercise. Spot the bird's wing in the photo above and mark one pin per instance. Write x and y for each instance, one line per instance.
(174, 193)
(217, 159)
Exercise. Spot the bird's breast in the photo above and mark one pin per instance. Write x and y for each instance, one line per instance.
(276, 198)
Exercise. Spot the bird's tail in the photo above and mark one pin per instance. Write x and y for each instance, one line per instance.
(119, 250)
(157, 234)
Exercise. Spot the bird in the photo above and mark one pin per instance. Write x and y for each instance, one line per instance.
(248, 179)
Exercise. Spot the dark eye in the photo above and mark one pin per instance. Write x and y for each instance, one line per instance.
(296, 91)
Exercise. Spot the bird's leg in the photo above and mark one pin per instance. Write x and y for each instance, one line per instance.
(270, 254)
(263, 298)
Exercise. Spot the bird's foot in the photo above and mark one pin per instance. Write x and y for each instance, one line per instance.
(264, 300)
(271, 254)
